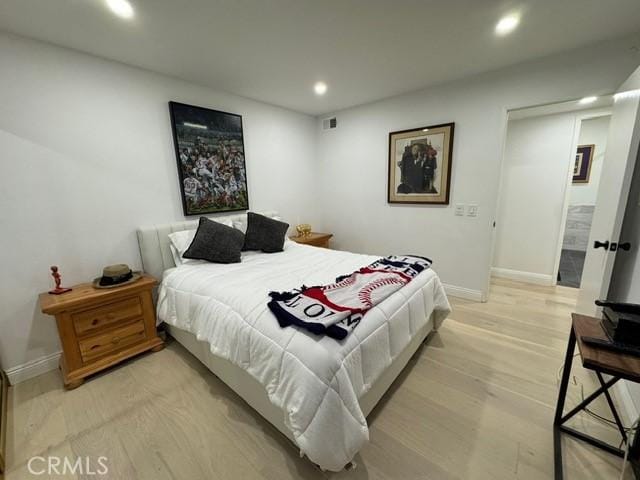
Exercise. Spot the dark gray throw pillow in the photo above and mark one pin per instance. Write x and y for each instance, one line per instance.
(215, 243)
(264, 233)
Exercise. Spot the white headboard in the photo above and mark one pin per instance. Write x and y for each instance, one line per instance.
(154, 242)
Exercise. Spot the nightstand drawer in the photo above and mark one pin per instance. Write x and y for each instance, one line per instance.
(95, 319)
(111, 341)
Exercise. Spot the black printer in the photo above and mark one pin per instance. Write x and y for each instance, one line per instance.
(621, 322)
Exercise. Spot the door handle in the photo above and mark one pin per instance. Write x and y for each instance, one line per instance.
(626, 246)
(598, 244)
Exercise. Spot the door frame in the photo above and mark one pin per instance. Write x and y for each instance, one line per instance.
(505, 114)
(504, 127)
(577, 128)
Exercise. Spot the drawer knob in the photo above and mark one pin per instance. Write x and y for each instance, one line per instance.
(95, 321)
(115, 340)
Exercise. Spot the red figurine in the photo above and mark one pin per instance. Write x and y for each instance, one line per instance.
(58, 279)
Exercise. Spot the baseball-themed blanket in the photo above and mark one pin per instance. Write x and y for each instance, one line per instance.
(336, 309)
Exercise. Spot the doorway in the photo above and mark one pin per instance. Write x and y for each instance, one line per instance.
(550, 174)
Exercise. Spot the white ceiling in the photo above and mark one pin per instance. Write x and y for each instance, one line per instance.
(274, 50)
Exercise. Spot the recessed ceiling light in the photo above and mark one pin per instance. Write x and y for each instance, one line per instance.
(121, 8)
(320, 88)
(507, 24)
(425, 129)
(586, 100)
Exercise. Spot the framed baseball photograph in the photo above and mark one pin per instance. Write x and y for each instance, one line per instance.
(209, 149)
(420, 165)
(582, 167)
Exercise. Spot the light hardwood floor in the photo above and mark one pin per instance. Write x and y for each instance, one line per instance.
(476, 402)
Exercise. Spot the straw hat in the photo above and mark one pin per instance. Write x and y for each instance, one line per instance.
(116, 276)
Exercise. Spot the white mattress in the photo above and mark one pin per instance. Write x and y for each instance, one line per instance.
(316, 381)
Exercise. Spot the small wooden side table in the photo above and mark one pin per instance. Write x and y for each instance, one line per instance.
(99, 328)
(315, 239)
(617, 365)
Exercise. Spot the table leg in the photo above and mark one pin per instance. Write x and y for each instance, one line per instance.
(612, 408)
(581, 406)
(562, 394)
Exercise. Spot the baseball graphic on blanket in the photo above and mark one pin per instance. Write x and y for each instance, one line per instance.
(336, 309)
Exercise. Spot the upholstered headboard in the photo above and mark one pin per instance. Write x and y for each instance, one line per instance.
(154, 242)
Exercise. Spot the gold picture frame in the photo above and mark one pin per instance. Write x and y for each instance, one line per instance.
(420, 161)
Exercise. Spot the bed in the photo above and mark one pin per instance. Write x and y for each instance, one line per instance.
(316, 390)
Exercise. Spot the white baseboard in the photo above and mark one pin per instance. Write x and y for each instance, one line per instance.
(528, 277)
(466, 293)
(33, 368)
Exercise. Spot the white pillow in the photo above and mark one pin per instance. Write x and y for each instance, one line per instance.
(181, 241)
(177, 260)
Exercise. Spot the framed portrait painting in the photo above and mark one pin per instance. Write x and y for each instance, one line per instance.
(209, 149)
(420, 165)
(582, 167)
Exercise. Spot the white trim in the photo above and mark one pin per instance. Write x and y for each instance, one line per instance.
(466, 293)
(504, 128)
(31, 369)
(528, 277)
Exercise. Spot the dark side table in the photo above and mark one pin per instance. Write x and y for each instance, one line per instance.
(618, 366)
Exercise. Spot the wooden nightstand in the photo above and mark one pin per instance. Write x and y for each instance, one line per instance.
(99, 328)
(314, 238)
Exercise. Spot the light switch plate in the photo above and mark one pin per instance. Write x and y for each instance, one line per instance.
(472, 210)
(459, 210)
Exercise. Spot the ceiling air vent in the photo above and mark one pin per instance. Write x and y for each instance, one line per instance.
(329, 123)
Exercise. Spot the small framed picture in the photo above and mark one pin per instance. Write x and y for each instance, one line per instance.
(209, 148)
(582, 167)
(420, 165)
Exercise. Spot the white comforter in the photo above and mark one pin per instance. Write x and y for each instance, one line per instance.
(316, 381)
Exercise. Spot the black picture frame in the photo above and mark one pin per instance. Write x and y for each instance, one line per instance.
(212, 169)
(443, 160)
(582, 166)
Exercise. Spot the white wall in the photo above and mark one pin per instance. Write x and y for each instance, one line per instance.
(593, 131)
(353, 158)
(537, 157)
(87, 157)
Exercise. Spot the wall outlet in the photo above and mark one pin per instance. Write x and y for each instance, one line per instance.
(459, 210)
(472, 210)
